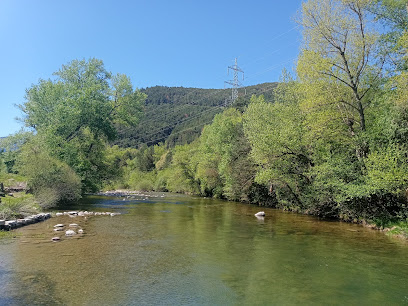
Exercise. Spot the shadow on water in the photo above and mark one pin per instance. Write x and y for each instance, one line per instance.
(179, 250)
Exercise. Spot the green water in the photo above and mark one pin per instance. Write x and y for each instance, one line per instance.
(179, 250)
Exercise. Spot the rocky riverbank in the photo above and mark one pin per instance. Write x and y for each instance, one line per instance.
(13, 224)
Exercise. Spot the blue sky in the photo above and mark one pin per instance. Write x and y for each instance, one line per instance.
(155, 42)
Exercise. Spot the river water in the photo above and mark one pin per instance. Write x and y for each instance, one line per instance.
(179, 250)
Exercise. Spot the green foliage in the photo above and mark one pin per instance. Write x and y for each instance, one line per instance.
(224, 168)
(387, 170)
(51, 180)
(143, 181)
(9, 150)
(176, 115)
(17, 206)
(182, 176)
(85, 102)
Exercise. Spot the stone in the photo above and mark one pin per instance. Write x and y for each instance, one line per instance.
(59, 225)
(73, 225)
(11, 223)
(70, 233)
(260, 214)
(55, 239)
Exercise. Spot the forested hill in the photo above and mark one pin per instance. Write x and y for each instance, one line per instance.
(176, 115)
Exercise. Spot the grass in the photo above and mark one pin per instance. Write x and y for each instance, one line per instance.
(21, 204)
(10, 179)
(399, 229)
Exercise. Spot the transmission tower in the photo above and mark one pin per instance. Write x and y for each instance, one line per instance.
(235, 82)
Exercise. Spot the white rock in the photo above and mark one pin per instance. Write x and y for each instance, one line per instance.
(73, 225)
(59, 225)
(80, 231)
(55, 239)
(260, 214)
(58, 229)
(59, 214)
(69, 233)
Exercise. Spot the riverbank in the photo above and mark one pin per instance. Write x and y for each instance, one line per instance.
(16, 223)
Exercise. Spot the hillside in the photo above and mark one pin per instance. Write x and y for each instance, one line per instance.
(176, 115)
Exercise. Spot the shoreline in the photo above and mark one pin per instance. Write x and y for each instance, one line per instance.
(7, 225)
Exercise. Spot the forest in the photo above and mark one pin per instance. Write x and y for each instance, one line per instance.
(330, 139)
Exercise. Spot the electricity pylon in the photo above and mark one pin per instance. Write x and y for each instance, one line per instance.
(235, 82)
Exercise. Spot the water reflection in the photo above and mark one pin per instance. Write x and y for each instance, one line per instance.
(180, 250)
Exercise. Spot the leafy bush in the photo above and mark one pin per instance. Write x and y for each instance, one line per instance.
(52, 181)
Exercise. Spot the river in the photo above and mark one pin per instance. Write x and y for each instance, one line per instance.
(180, 250)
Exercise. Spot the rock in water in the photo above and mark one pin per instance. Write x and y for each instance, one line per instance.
(70, 233)
(260, 214)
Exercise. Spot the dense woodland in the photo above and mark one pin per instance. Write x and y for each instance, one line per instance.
(177, 115)
(330, 139)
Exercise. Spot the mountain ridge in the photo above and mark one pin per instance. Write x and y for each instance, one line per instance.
(176, 115)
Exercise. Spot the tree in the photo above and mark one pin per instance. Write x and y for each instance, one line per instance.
(393, 14)
(77, 112)
(10, 148)
(276, 134)
(224, 168)
(339, 65)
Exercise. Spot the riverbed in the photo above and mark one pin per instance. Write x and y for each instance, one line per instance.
(166, 249)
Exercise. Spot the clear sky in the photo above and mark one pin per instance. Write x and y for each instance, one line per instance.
(187, 43)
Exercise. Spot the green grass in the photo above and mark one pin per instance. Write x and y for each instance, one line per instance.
(399, 229)
(19, 205)
(11, 179)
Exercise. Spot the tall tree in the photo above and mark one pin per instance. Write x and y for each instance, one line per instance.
(339, 65)
(77, 112)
